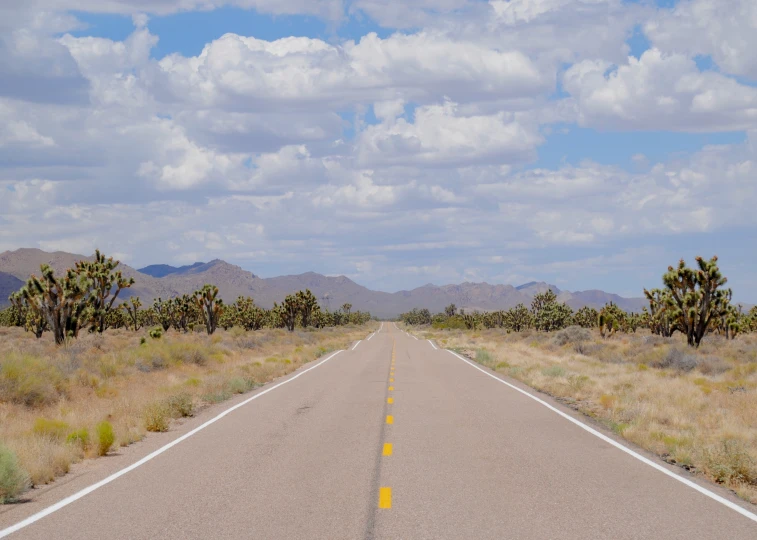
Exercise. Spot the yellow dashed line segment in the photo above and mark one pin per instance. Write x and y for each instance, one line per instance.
(385, 497)
(390, 419)
(391, 388)
(387, 449)
(390, 400)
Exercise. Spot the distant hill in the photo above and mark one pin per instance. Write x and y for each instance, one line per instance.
(162, 270)
(8, 284)
(167, 281)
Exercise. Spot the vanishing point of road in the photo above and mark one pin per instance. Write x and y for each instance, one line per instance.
(394, 438)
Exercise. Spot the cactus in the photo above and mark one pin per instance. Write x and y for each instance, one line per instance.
(20, 314)
(658, 317)
(288, 311)
(308, 305)
(60, 301)
(696, 297)
(104, 281)
(450, 310)
(164, 313)
(346, 308)
(518, 318)
(210, 306)
(132, 310)
(586, 317)
(548, 314)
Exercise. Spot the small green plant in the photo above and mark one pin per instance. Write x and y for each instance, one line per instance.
(156, 333)
(79, 437)
(105, 437)
(142, 340)
(156, 416)
(13, 479)
(53, 429)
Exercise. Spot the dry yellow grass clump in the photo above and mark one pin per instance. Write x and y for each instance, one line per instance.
(59, 405)
(694, 408)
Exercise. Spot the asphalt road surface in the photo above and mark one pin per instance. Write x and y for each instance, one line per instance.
(393, 439)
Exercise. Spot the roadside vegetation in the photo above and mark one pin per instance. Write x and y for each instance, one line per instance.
(677, 379)
(81, 375)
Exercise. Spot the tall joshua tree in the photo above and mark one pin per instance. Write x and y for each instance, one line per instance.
(61, 301)
(308, 306)
(105, 284)
(289, 310)
(696, 297)
(210, 306)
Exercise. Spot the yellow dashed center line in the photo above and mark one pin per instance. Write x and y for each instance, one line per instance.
(385, 497)
(391, 388)
(390, 400)
(387, 449)
(391, 380)
(389, 419)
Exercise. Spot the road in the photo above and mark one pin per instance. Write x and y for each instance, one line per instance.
(392, 439)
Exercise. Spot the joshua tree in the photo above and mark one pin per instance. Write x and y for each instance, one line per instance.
(586, 317)
(450, 310)
(518, 318)
(308, 304)
(104, 280)
(164, 312)
(658, 317)
(209, 305)
(289, 310)
(21, 314)
(696, 297)
(347, 308)
(132, 310)
(548, 314)
(60, 301)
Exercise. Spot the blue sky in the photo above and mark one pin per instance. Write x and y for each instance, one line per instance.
(588, 143)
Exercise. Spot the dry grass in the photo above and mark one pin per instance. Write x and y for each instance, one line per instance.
(61, 405)
(697, 409)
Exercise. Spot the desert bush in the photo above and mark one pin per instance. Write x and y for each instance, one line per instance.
(730, 462)
(180, 405)
(678, 360)
(80, 437)
(483, 357)
(13, 479)
(156, 417)
(105, 437)
(29, 381)
(554, 371)
(571, 334)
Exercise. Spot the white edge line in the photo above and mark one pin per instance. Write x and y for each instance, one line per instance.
(86, 491)
(432, 344)
(746, 513)
(356, 344)
(369, 337)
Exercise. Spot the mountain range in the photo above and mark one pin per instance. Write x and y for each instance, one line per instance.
(166, 281)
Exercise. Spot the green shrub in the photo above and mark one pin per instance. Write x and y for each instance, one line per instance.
(180, 405)
(238, 385)
(80, 437)
(217, 396)
(156, 416)
(105, 437)
(156, 333)
(13, 479)
(554, 371)
(54, 429)
(483, 357)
